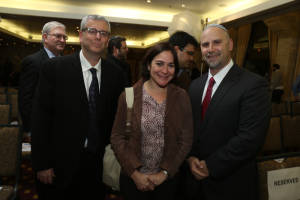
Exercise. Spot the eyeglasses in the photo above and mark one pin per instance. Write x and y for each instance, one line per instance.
(191, 53)
(59, 36)
(94, 31)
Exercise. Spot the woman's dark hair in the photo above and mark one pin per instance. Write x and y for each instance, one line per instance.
(154, 51)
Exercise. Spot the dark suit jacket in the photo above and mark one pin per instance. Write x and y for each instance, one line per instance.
(231, 134)
(124, 66)
(28, 82)
(178, 135)
(60, 114)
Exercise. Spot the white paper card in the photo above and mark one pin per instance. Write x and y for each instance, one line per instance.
(284, 184)
(26, 147)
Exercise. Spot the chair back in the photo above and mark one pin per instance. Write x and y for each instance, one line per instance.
(13, 101)
(273, 142)
(10, 159)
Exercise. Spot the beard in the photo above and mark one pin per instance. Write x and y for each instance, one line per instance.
(215, 63)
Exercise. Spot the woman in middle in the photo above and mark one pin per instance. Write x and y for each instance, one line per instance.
(161, 132)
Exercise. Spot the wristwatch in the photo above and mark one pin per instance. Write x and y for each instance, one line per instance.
(165, 172)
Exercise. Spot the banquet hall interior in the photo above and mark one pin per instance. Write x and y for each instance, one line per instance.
(264, 32)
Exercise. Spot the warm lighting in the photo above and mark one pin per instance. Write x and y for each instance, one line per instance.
(121, 13)
(236, 9)
(183, 5)
(13, 29)
(148, 1)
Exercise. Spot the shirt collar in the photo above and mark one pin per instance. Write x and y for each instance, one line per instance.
(50, 54)
(85, 65)
(218, 77)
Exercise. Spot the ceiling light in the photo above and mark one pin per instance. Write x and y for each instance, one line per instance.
(183, 5)
(148, 1)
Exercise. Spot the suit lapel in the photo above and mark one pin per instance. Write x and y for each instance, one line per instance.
(78, 76)
(198, 97)
(227, 83)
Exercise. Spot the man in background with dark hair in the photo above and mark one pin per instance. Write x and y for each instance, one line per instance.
(117, 54)
(185, 46)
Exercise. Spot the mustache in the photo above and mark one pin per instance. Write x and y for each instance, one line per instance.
(212, 54)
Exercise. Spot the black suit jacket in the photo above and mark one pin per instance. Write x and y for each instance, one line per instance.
(231, 134)
(28, 82)
(60, 114)
(124, 66)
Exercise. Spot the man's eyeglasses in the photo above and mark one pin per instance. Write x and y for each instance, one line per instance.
(59, 36)
(94, 31)
(191, 53)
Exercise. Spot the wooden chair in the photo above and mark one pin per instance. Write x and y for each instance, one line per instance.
(13, 101)
(2, 90)
(295, 108)
(291, 132)
(273, 142)
(4, 113)
(12, 90)
(3, 98)
(10, 159)
(279, 109)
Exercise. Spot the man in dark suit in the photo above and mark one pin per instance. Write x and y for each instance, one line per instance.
(185, 46)
(74, 109)
(54, 40)
(117, 54)
(230, 124)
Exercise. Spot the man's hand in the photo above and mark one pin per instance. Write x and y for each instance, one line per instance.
(46, 176)
(198, 168)
(158, 178)
(142, 181)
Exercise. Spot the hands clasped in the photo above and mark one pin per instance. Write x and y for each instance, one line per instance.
(46, 176)
(198, 168)
(147, 182)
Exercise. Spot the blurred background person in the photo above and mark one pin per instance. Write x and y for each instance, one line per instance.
(117, 54)
(54, 41)
(296, 88)
(185, 46)
(161, 131)
(276, 84)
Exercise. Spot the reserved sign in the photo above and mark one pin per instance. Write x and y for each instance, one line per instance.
(284, 184)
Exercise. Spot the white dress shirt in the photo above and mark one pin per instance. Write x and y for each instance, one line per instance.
(218, 77)
(49, 53)
(87, 74)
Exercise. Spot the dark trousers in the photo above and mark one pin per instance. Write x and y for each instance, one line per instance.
(165, 191)
(86, 183)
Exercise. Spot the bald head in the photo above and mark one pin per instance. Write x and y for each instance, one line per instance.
(216, 46)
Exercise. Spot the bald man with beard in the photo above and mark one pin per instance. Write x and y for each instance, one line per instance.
(229, 125)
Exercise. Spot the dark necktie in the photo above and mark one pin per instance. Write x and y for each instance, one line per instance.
(207, 97)
(93, 131)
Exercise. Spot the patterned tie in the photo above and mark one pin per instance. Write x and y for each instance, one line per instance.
(93, 131)
(207, 97)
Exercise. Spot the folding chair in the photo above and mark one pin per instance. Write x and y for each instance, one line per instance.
(4, 114)
(10, 159)
(273, 142)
